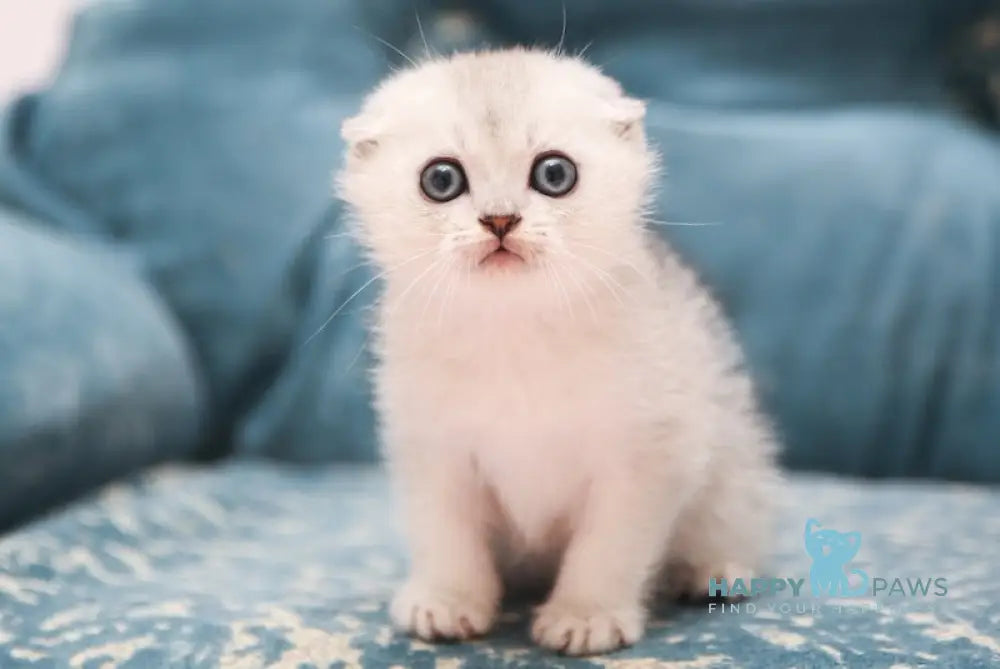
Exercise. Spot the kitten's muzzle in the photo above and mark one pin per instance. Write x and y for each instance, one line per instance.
(500, 224)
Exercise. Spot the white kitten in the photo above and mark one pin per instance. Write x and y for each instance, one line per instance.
(558, 395)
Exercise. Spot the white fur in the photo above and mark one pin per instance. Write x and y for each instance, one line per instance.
(581, 415)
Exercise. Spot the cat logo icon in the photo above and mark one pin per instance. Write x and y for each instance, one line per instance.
(831, 552)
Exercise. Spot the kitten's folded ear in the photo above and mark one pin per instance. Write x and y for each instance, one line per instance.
(360, 134)
(626, 116)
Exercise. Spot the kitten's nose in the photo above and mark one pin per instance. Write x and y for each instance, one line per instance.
(500, 224)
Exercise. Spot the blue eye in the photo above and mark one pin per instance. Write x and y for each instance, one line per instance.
(443, 180)
(553, 174)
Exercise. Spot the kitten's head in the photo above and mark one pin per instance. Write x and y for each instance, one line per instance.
(504, 167)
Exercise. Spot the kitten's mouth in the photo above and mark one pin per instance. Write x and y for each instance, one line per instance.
(501, 256)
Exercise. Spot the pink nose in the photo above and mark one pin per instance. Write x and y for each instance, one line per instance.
(500, 224)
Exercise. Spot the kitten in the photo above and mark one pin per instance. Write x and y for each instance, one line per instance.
(558, 395)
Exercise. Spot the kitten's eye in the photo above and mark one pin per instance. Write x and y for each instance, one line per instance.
(553, 174)
(443, 180)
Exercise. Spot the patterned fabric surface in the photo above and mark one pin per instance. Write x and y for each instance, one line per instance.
(249, 565)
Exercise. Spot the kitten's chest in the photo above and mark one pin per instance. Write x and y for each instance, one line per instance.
(536, 449)
(518, 394)
(537, 428)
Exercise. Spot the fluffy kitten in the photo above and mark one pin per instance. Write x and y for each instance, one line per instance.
(558, 396)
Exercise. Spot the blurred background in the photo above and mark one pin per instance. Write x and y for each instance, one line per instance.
(169, 247)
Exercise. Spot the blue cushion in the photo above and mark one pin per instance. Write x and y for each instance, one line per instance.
(96, 378)
(860, 221)
(203, 135)
(254, 565)
(856, 252)
(724, 54)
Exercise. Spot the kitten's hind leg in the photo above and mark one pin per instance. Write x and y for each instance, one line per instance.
(691, 584)
(723, 534)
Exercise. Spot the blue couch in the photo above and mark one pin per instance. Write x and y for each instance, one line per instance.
(169, 258)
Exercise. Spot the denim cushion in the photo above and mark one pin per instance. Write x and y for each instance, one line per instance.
(203, 136)
(725, 54)
(859, 234)
(857, 254)
(96, 380)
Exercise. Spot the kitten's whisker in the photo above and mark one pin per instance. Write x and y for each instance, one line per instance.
(361, 290)
(687, 224)
(625, 262)
(548, 273)
(452, 289)
(583, 51)
(388, 44)
(446, 298)
(402, 296)
(339, 235)
(585, 289)
(562, 35)
(368, 262)
(363, 237)
(357, 356)
(614, 286)
(432, 293)
(605, 64)
(350, 269)
(552, 271)
(365, 240)
(465, 244)
(423, 37)
(468, 274)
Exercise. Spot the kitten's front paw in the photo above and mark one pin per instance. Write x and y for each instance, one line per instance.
(435, 614)
(579, 629)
